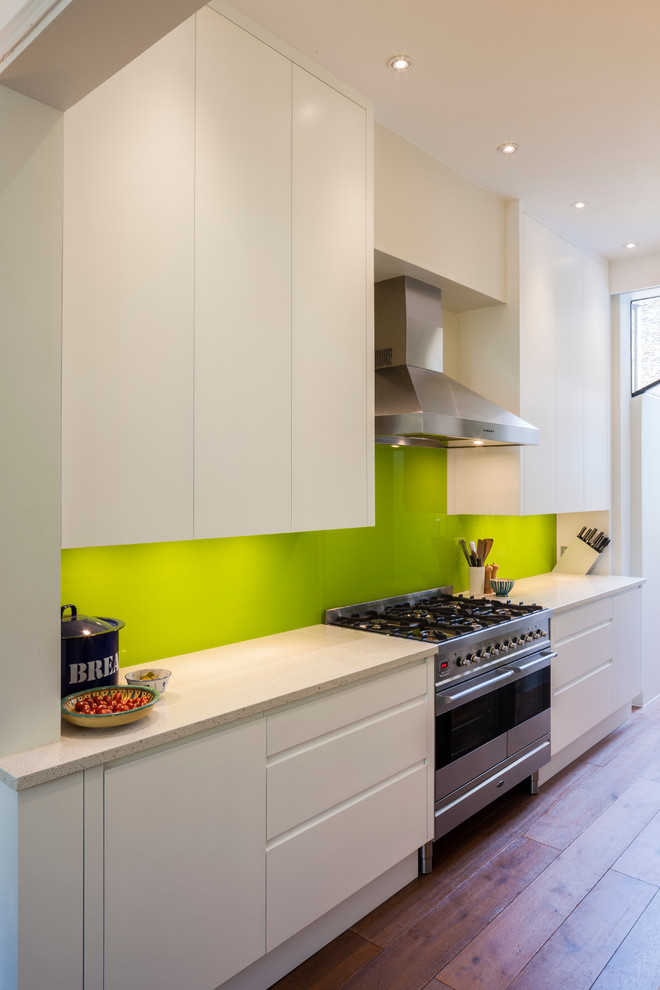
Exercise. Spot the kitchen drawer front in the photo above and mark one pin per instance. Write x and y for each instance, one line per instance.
(577, 707)
(311, 719)
(307, 780)
(578, 619)
(315, 869)
(582, 653)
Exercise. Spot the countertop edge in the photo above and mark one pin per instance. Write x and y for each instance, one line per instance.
(32, 774)
(284, 656)
(561, 592)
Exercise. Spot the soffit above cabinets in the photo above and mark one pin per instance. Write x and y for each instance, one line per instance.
(455, 297)
(59, 53)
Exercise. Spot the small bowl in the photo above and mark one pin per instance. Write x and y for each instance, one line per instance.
(147, 696)
(501, 587)
(151, 677)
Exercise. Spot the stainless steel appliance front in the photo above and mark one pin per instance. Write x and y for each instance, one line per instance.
(492, 677)
(491, 732)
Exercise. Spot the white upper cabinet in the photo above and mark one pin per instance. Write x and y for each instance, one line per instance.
(332, 341)
(595, 386)
(552, 369)
(127, 346)
(242, 283)
(217, 280)
(555, 333)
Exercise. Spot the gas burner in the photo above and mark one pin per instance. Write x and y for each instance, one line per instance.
(437, 617)
(431, 617)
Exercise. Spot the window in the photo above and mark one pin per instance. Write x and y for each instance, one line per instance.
(645, 343)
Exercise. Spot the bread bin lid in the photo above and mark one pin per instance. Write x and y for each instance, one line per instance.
(76, 625)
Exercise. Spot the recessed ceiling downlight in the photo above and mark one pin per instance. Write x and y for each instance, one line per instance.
(580, 204)
(631, 244)
(508, 148)
(400, 63)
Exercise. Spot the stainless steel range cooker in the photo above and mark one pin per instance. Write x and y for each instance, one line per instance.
(492, 682)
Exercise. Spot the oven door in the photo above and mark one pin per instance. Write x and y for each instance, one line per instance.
(529, 698)
(471, 721)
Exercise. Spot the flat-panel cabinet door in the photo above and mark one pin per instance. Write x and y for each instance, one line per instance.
(332, 339)
(538, 403)
(596, 464)
(569, 365)
(242, 283)
(127, 374)
(184, 863)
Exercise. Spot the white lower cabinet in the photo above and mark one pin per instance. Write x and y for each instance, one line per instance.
(627, 645)
(597, 669)
(327, 860)
(41, 886)
(184, 864)
(348, 795)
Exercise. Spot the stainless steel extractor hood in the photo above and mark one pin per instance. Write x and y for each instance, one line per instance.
(415, 402)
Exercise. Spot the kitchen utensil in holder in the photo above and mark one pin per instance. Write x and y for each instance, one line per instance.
(476, 577)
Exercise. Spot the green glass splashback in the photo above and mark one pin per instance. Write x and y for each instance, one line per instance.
(180, 597)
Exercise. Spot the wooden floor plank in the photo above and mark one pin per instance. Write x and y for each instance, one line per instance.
(642, 857)
(652, 772)
(416, 957)
(636, 964)
(461, 854)
(577, 952)
(332, 966)
(570, 816)
(495, 957)
(623, 736)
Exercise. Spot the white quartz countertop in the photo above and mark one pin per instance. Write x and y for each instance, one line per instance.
(228, 683)
(218, 686)
(563, 591)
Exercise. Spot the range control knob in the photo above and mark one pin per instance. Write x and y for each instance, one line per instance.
(538, 634)
(464, 661)
(482, 655)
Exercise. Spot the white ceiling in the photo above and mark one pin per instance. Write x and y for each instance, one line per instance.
(575, 83)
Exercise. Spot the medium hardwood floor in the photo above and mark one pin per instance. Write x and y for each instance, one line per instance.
(559, 890)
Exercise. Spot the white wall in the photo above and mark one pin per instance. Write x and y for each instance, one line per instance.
(636, 477)
(620, 548)
(645, 530)
(30, 318)
(433, 218)
(633, 273)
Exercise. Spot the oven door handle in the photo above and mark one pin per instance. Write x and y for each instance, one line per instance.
(543, 660)
(482, 688)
